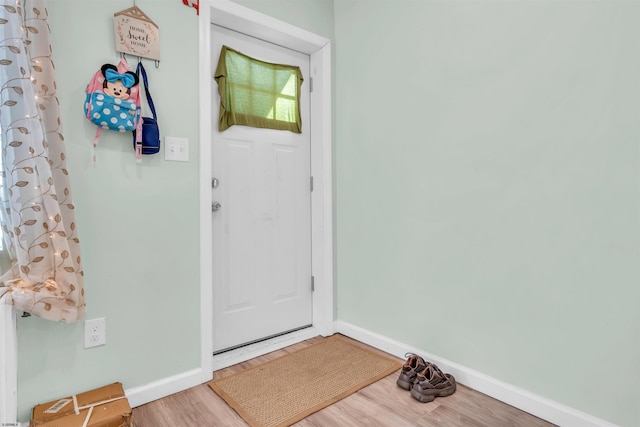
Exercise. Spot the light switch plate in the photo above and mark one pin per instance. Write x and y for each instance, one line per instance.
(176, 149)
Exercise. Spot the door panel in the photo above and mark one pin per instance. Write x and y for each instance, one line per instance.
(262, 233)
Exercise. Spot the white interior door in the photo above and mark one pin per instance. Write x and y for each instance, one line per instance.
(262, 229)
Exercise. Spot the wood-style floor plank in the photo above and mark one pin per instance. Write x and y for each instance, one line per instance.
(381, 404)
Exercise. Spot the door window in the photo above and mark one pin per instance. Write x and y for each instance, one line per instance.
(257, 93)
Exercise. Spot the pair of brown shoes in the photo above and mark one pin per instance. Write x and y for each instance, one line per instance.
(424, 379)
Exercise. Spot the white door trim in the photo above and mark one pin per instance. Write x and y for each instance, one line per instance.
(250, 22)
(8, 365)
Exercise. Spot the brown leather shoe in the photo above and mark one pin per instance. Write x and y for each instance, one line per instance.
(431, 382)
(410, 369)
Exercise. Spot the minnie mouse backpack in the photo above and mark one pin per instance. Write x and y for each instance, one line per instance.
(113, 101)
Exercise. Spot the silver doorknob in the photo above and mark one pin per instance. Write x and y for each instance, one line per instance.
(215, 206)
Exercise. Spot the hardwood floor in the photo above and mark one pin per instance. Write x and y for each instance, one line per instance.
(381, 404)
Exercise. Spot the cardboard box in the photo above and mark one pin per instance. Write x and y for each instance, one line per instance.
(108, 406)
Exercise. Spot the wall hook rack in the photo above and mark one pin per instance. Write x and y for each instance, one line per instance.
(136, 33)
(156, 62)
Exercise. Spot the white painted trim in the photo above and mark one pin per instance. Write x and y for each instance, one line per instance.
(534, 404)
(206, 244)
(322, 196)
(8, 365)
(255, 24)
(167, 386)
(252, 23)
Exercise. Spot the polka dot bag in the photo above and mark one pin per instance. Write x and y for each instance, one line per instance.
(113, 100)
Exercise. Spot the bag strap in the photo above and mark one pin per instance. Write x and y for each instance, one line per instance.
(95, 142)
(140, 70)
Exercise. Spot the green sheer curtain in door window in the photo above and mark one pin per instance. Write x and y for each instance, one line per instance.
(257, 93)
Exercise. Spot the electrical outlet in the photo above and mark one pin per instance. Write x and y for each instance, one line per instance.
(95, 332)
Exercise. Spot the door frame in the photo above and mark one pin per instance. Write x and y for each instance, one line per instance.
(8, 365)
(250, 22)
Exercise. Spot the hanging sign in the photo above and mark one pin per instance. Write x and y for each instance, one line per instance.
(136, 33)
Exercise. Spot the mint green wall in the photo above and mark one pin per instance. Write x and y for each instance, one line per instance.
(138, 223)
(487, 189)
(312, 15)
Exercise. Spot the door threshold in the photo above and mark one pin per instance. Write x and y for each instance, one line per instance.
(247, 344)
(250, 351)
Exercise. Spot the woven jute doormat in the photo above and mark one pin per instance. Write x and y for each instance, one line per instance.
(285, 390)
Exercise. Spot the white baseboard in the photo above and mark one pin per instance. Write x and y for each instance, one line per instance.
(539, 406)
(162, 388)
